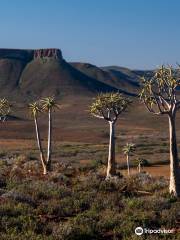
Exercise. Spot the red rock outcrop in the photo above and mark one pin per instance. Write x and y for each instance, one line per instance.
(49, 52)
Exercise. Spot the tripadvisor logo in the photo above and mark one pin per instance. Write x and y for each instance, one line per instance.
(139, 231)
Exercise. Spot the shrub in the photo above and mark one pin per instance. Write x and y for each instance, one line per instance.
(84, 206)
(2, 154)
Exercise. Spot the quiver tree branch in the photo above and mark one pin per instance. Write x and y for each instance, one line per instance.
(159, 93)
(109, 106)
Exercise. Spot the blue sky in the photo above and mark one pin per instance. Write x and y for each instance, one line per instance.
(140, 34)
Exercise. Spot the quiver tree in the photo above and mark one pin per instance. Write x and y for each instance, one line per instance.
(128, 149)
(44, 105)
(140, 163)
(109, 106)
(5, 109)
(159, 94)
(48, 105)
(35, 110)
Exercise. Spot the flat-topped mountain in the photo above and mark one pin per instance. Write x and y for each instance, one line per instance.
(28, 74)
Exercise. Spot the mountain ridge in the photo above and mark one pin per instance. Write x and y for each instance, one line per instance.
(28, 74)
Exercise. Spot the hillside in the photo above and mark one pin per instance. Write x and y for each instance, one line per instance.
(28, 74)
(119, 77)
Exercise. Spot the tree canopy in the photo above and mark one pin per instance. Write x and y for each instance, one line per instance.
(48, 103)
(5, 108)
(109, 106)
(159, 93)
(129, 148)
(34, 108)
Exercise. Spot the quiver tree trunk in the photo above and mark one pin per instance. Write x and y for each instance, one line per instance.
(128, 168)
(49, 140)
(111, 168)
(43, 162)
(139, 167)
(174, 186)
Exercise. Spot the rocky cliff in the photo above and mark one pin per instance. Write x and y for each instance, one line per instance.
(48, 53)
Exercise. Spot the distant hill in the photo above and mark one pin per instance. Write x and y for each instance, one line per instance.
(119, 77)
(28, 74)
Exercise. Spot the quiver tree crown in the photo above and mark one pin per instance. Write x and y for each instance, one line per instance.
(159, 93)
(109, 106)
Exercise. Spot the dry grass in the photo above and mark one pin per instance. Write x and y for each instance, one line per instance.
(81, 138)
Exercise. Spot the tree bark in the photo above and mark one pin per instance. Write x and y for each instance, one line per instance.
(111, 168)
(40, 147)
(49, 139)
(128, 168)
(174, 186)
